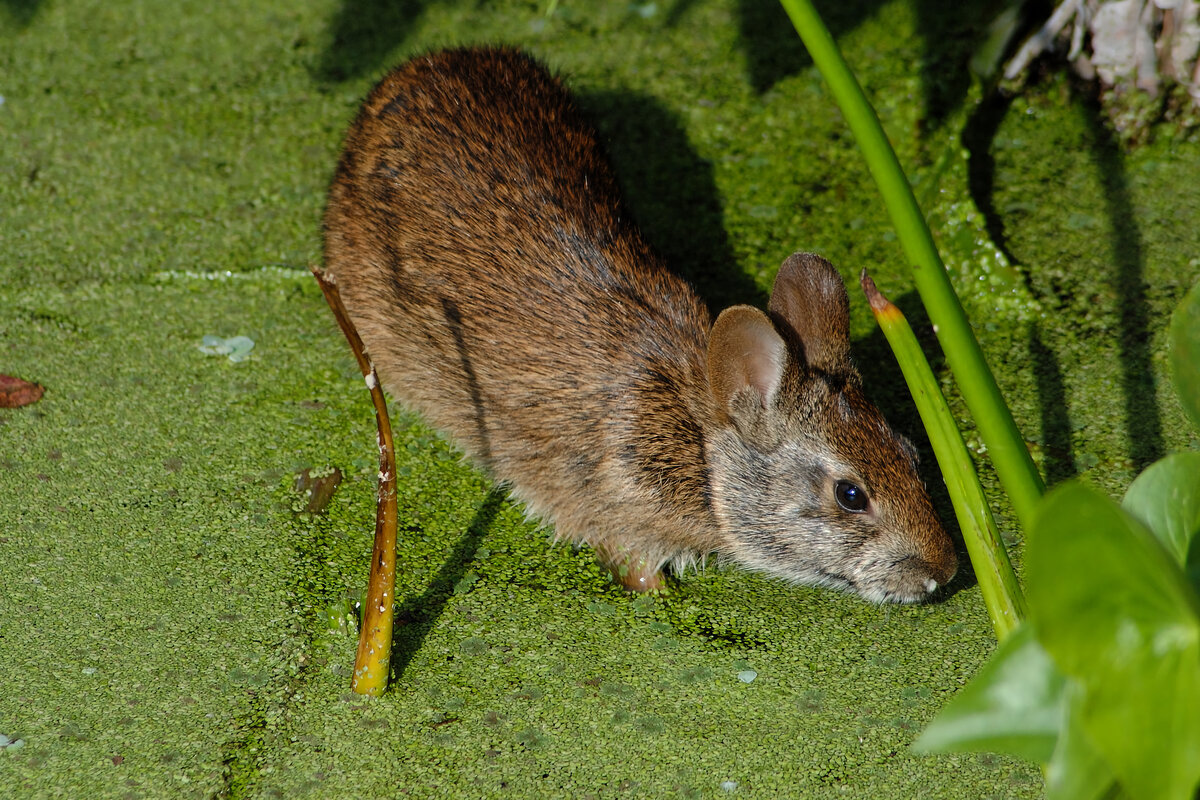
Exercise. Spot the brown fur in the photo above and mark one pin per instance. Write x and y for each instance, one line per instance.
(479, 242)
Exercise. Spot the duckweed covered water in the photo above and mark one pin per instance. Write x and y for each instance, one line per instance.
(177, 619)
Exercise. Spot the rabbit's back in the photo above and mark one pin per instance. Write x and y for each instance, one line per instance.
(478, 239)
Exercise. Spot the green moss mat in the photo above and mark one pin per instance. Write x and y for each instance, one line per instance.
(168, 621)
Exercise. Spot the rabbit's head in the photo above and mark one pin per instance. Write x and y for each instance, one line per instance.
(808, 481)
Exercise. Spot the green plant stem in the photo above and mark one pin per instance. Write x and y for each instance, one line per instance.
(999, 432)
(997, 582)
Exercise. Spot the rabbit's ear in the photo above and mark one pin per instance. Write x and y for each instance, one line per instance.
(809, 298)
(746, 360)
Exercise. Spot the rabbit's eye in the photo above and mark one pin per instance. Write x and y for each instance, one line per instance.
(850, 497)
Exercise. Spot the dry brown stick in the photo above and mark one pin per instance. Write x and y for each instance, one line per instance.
(373, 660)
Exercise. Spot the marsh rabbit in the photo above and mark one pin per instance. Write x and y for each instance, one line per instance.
(479, 241)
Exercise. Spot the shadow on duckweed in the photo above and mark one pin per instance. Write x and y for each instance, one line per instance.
(978, 134)
(671, 194)
(1143, 423)
(949, 32)
(771, 46)
(1058, 451)
(416, 616)
(21, 12)
(362, 34)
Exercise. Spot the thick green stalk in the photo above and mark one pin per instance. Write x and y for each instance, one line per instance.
(997, 581)
(999, 432)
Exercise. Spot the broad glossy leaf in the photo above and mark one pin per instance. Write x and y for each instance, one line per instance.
(1013, 705)
(1166, 498)
(1185, 353)
(1115, 612)
(1076, 771)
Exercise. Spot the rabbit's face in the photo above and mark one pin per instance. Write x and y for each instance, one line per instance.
(808, 482)
(836, 501)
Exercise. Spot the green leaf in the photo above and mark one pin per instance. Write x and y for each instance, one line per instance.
(1013, 705)
(1185, 353)
(1115, 612)
(997, 581)
(1076, 771)
(1166, 499)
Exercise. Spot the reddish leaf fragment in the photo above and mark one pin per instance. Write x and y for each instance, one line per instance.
(15, 392)
(319, 485)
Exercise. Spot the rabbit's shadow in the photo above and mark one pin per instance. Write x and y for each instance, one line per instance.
(21, 12)
(671, 193)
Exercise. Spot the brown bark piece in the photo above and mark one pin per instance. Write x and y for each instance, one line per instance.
(15, 392)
